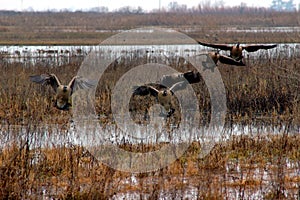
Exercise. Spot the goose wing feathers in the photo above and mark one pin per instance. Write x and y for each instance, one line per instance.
(256, 47)
(145, 90)
(224, 47)
(46, 79)
(190, 76)
(249, 48)
(179, 86)
(230, 61)
(79, 82)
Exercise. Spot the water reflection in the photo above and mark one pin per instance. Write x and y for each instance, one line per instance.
(263, 29)
(50, 136)
(235, 178)
(59, 55)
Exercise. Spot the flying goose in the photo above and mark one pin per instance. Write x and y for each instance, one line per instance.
(236, 50)
(189, 76)
(63, 92)
(163, 95)
(215, 56)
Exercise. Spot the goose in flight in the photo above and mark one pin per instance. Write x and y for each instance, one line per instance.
(63, 92)
(236, 51)
(189, 76)
(215, 56)
(163, 95)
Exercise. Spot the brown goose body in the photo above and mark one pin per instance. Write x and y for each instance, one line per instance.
(63, 95)
(165, 98)
(163, 95)
(62, 92)
(189, 76)
(236, 51)
(216, 57)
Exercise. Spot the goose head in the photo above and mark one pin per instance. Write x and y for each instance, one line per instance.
(165, 93)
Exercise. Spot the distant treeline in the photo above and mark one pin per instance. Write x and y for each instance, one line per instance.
(205, 8)
(230, 16)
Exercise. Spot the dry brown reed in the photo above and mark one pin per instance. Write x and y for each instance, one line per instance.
(242, 167)
(264, 93)
(92, 28)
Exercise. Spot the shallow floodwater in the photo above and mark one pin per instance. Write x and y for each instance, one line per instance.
(235, 173)
(53, 136)
(50, 136)
(62, 55)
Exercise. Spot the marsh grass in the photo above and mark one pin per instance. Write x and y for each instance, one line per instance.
(267, 89)
(92, 28)
(267, 165)
(264, 93)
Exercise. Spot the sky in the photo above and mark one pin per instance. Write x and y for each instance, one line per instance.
(43, 5)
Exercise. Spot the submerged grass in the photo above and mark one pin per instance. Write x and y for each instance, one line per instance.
(267, 166)
(265, 93)
(266, 90)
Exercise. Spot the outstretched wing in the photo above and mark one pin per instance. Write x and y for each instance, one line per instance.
(216, 46)
(192, 77)
(46, 79)
(141, 90)
(169, 80)
(179, 86)
(145, 90)
(256, 47)
(79, 82)
(230, 61)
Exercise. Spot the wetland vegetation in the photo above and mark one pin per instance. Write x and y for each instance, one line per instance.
(261, 158)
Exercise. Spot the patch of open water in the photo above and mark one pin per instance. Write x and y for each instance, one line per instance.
(235, 176)
(58, 55)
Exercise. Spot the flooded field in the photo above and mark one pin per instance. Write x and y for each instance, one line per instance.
(61, 55)
(249, 29)
(250, 163)
(44, 153)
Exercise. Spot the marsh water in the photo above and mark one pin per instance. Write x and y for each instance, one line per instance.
(49, 136)
(236, 172)
(58, 55)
